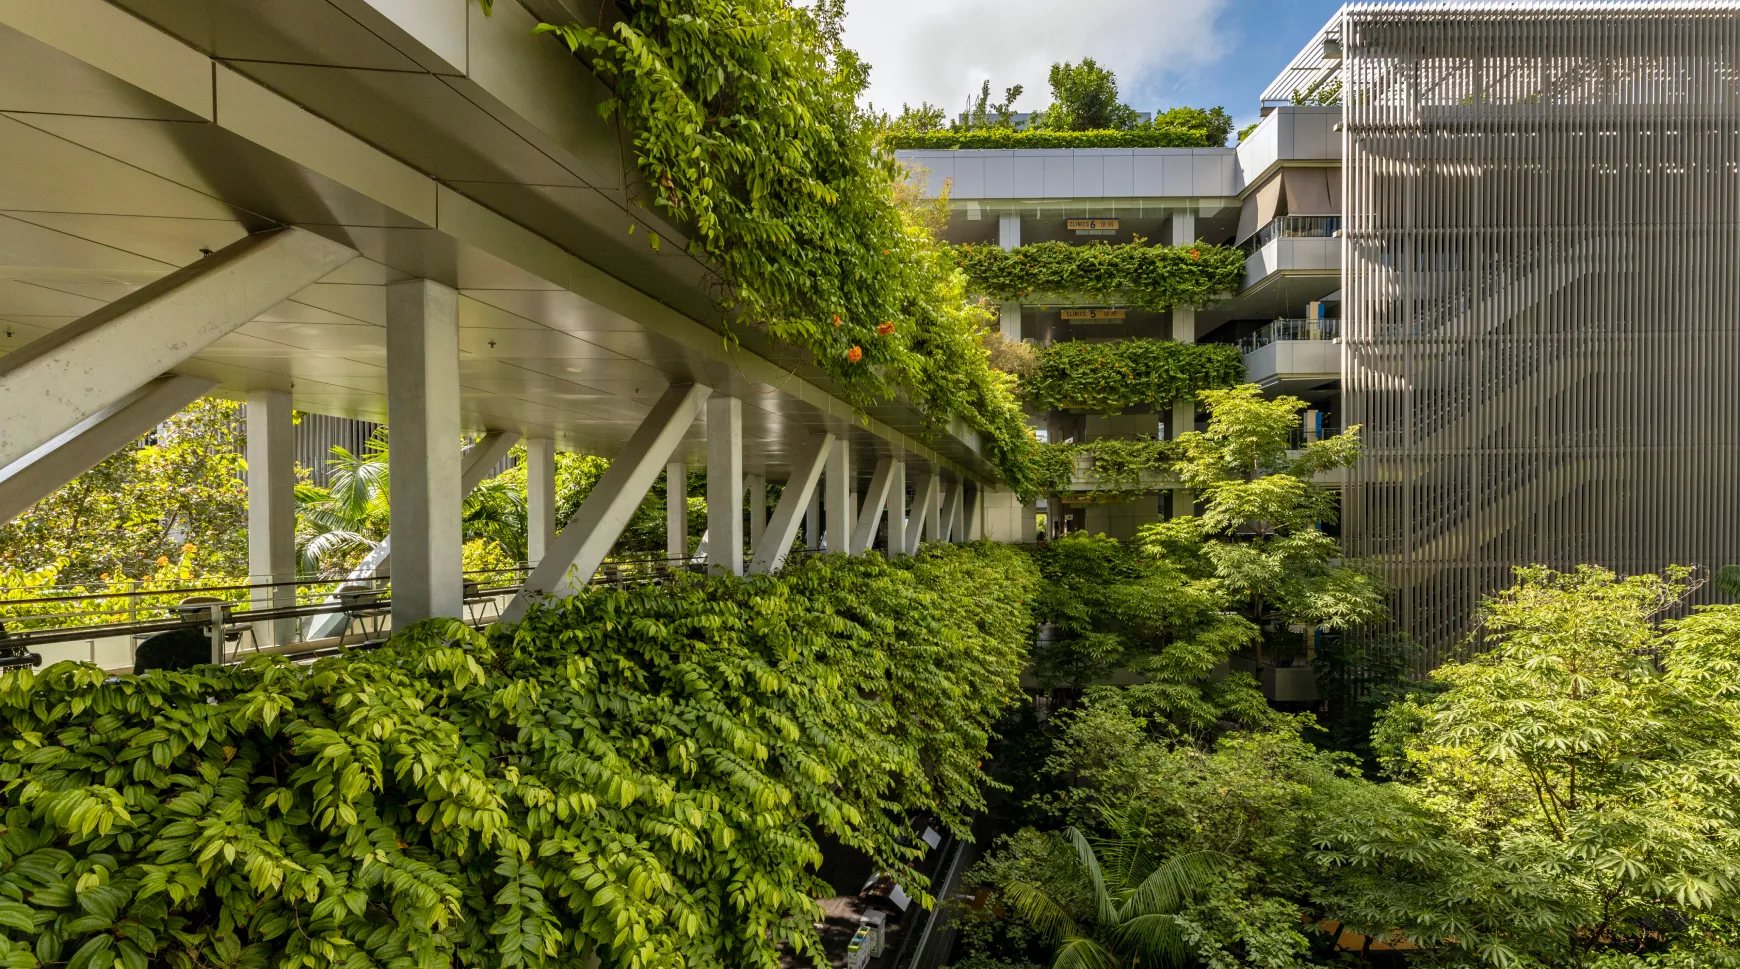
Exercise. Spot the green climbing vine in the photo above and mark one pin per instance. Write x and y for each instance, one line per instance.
(1009, 138)
(643, 772)
(1115, 376)
(1118, 463)
(747, 131)
(1133, 274)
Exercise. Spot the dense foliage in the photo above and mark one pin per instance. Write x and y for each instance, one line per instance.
(1571, 798)
(1134, 274)
(177, 487)
(643, 771)
(747, 131)
(1004, 139)
(1234, 810)
(1114, 376)
(1084, 112)
(1118, 464)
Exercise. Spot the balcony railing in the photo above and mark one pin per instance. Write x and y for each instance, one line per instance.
(1320, 329)
(1293, 227)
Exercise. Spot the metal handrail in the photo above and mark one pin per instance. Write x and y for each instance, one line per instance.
(1327, 328)
(1293, 227)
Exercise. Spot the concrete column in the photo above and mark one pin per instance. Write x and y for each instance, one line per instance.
(1009, 320)
(725, 485)
(1009, 230)
(540, 498)
(975, 510)
(1183, 417)
(756, 485)
(423, 412)
(839, 502)
(272, 510)
(676, 510)
(1183, 228)
(897, 510)
(813, 522)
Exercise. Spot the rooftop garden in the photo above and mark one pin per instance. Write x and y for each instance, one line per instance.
(1085, 112)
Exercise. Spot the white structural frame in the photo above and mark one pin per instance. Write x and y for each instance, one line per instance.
(794, 502)
(587, 538)
(69, 374)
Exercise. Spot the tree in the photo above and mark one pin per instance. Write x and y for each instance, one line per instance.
(912, 121)
(1085, 98)
(1119, 912)
(176, 493)
(983, 114)
(338, 525)
(1571, 798)
(1260, 534)
(1215, 124)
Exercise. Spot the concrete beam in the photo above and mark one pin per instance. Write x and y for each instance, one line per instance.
(925, 523)
(88, 443)
(272, 510)
(794, 501)
(975, 508)
(952, 525)
(756, 485)
(725, 485)
(540, 498)
(595, 527)
(813, 521)
(875, 503)
(64, 377)
(423, 413)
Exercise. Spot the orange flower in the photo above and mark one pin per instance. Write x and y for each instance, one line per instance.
(162, 560)
(854, 355)
(836, 319)
(885, 328)
(1195, 255)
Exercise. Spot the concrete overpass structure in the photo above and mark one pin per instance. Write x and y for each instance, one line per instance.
(407, 212)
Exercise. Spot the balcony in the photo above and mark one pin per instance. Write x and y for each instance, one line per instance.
(1293, 355)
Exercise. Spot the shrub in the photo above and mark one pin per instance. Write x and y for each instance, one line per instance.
(639, 770)
(1003, 139)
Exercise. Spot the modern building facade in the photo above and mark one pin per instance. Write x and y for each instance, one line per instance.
(1500, 238)
(1542, 297)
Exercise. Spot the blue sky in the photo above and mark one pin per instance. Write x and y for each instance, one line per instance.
(1165, 52)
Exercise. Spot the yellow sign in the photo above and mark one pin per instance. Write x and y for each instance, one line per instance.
(1094, 314)
(1093, 223)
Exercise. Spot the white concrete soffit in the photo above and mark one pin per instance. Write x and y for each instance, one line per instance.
(114, 41)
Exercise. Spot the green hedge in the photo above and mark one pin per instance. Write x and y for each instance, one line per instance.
(1006, 138)
(1134, 274)
(1112, 377)
(638, 770)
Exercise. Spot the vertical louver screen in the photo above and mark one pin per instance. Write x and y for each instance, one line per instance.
(1542, 300)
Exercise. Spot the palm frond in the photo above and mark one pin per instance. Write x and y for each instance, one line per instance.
(1082, 953)
(1157, 940)
(1040, 909)
(1107, 910)
(322, 552)
(1171, 885)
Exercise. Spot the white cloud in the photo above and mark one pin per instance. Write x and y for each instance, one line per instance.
(941, 50)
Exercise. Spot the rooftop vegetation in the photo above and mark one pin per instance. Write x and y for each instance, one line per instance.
(1085, 112)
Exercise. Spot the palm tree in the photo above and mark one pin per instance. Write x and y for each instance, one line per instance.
(344, 521)
(1119, 914)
